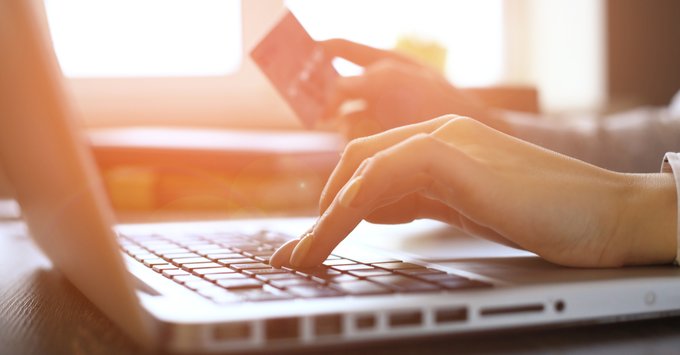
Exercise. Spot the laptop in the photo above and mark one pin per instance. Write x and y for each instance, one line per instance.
(207, 286)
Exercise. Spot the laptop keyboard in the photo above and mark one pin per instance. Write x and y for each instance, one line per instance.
(231, 267)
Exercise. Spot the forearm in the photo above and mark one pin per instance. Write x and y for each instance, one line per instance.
(629, 142)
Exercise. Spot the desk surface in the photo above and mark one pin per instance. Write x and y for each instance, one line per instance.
(42, 313)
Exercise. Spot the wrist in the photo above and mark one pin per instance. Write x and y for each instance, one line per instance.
(651, 222)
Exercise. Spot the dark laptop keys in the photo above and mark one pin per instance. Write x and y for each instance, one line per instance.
(239, 284)
(361, 288)
(312, 291)
(404, 283)
(269, 271)
(397, 265)
(233, 267)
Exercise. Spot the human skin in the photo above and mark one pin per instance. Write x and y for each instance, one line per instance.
(396, 91)
(490, 184)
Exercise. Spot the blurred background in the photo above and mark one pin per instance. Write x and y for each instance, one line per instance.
(177, 62)
(208, 125)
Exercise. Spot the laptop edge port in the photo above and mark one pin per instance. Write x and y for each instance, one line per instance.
(282, 328)
(405, 318)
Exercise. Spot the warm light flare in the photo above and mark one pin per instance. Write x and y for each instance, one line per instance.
(124, 38)
(471, 31)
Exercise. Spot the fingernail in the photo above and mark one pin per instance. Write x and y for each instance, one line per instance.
(349, 194)
(301, 250)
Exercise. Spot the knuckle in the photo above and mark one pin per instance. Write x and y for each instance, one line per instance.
(426, 150)
(462, 124)
(387, 65)
(448, 117)
(364, 165)
(377, 164)
(354, 150)
(422, 141)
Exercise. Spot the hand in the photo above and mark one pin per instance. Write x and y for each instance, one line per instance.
(457, 170)
(395, 89)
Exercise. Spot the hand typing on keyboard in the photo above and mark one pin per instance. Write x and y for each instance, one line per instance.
(232, 267)
(459, 171)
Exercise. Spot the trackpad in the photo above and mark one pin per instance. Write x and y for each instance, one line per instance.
(429, 240)
(449, 247)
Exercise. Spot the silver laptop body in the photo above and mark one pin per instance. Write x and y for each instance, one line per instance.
(480, 286)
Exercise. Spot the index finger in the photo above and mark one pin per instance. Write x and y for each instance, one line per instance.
(362, 148)
(392, 174)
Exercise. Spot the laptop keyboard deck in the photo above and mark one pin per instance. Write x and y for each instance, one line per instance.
(233, 267)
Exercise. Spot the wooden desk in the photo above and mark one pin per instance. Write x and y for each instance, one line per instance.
(41, 313)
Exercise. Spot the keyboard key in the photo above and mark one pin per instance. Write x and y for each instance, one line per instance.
(253, 272)
(214, 270)
(271, 237)
(232, 276)
(249, 266)
(404, 284)
(292, 282)
(361, 288)
(216, 251)
(224, 256)
(161, 267)
(352, 267)
(341, 278)
(270, 277)
(187, 240)
(266, 296)
(237, 261)
(398, 265)
(156, 243)
(185, 278)
(163, 249)
(135, 250)
(363, 255)
(264, 259)
(317, 271)
(204, 247)
(367, 257)
(369, 272)
(253, 254)
(175, 272)
(156, 261)
(335, 262)
(313, 291)
(182, 261)
(167, 252)
(241, 247)
(320, 275)
(441, 277)
(238, 284)
(200, 266)
(172, 256)
(140, 237)
(145, 256)
(418, 272)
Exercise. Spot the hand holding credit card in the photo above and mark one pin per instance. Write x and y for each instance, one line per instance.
(298, 68)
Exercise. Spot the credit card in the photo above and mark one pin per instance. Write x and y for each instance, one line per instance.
(298, 68)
